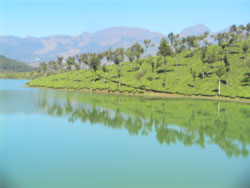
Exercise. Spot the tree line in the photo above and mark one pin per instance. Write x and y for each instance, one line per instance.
(172, 45)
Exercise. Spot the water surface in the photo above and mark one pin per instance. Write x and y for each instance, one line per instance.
(57, 139)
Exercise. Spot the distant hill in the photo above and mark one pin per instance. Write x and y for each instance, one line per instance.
(8, 65)
(32, 49)
(37, 49)
(195, 30)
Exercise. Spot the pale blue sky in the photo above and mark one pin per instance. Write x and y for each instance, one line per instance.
(50, 17)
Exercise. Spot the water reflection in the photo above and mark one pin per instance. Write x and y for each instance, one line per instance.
(190, 122)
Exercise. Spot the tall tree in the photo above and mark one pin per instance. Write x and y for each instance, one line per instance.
(220, 72)
(164, 50)
(147, 44)
(203, 59)
(70, 62)
(227, 67)
(59, 63)
(179, 46)
(101, 55)
(203, 38)
(248, 29)
(192, 42)
(86, 59)
(241, 30)
(118, 58)
(154, 66)
(77, 67)
(223, 40)
(138, 51)
(94, 63)
(211, 58)
(245, 48)
(43, 68)
(233, 29)
(104, 70)
(53, 66)
(131, 56)
(171, 38)
(109, 55)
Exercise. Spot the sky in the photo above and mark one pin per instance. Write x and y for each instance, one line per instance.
(53, 17)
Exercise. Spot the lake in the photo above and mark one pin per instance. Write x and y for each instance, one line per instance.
(65, 139)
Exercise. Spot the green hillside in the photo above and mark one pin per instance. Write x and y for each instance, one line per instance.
(9, 65)
(185, 74)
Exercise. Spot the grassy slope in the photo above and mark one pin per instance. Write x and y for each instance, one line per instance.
(178, 80)
(9, 65)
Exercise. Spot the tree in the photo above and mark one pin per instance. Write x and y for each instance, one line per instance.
(192, 42)
(59, 63)
(109, 55)
(154, 66)
(118, 57)
(211, 58)
(193, 73)
(171, 38)
(203, 38)
(233, 29)
(43, 68)
(227, 66)
(70, 62)
(233, 34)
(139, 77)
(164, 50)
(84, 58)
(53, 66)
(138, 51)
(101, 55)
(242, 28)
(131, 56)
(104, 70)
(203, 59)
(178, 45)
(77, 66)
(94, 63)
(220, 72)
(147, 44)
(245, 48)
(248, 29)
(223, 40)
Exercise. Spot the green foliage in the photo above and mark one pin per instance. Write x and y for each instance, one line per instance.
(220, 71)
(178, 78)
(94, 62)
(192, 42)
(164, 48)
(245, 47)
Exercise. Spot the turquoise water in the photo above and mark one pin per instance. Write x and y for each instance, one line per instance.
(57, 139)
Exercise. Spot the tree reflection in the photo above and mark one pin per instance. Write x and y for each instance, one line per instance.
(191, 122)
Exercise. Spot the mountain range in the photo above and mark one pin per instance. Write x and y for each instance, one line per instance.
(37, 49)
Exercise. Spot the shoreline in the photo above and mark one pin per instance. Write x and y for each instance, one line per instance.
(156, 95)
